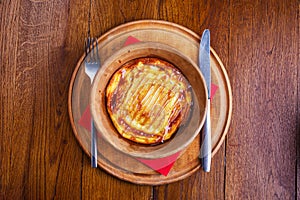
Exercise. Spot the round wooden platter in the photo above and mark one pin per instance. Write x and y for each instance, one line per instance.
(126, 167)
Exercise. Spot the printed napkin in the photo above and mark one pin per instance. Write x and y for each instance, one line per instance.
(161, 165)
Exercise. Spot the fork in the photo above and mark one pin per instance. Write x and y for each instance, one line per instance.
(92, 64)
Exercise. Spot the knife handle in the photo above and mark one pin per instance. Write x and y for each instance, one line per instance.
(206, 144)
(93, 145)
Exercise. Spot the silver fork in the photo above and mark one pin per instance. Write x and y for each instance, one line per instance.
(92, 64)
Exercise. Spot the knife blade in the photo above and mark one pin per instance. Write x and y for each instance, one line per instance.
(204, 64)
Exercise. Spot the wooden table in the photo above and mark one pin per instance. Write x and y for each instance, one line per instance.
(41, 42)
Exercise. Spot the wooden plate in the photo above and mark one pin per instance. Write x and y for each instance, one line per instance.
(126, 167)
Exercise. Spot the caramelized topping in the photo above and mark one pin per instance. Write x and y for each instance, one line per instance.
(147, 100)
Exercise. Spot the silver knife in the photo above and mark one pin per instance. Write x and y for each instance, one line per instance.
(204, 63)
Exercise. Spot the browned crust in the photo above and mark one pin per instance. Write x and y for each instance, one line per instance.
(147, 100)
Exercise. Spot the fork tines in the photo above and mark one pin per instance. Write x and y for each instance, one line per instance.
(89, 45)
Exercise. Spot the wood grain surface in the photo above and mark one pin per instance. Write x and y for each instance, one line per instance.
(41, 42)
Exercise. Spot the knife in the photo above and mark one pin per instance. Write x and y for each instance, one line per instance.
(204, 64)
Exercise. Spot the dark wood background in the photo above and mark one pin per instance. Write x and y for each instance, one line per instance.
(41, 41)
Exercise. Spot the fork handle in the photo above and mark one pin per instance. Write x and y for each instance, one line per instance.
(93, 145)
